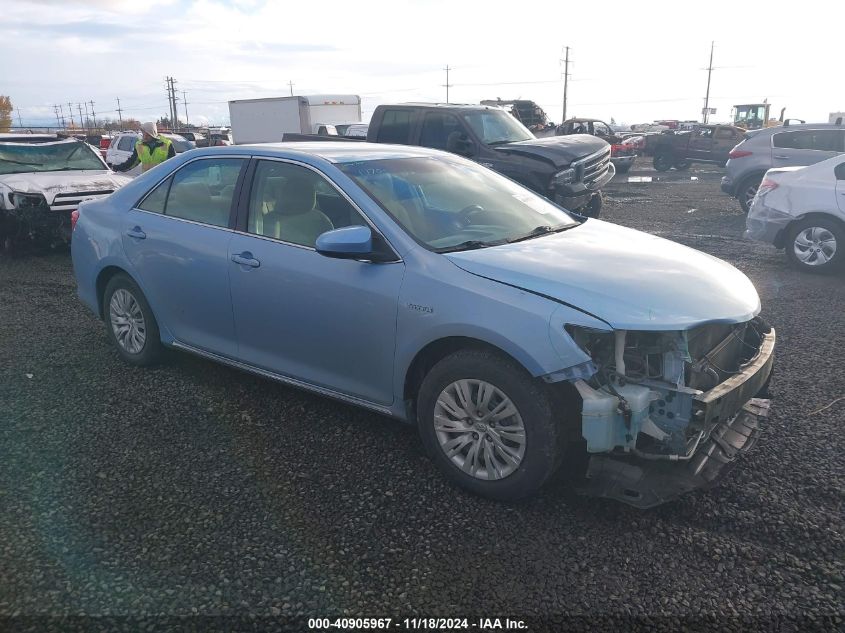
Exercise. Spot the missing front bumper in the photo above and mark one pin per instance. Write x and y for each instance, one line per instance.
(648, 484)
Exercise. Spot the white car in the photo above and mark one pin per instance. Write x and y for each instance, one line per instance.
(123, 144)
(43, 180)
(802, 210)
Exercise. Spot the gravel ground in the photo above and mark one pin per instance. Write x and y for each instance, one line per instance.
(194, 489)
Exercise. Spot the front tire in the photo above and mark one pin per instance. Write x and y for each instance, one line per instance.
(130, 323)
(593, 208)
(488, 425)
(816, 245)
(663, 161)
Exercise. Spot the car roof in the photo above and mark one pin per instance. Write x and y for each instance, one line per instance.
(330, 151)
(457, 106)
(794, 128)
(13, 137)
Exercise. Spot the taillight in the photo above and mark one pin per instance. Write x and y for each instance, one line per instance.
(767, 185)
(739, 153)
(74, 216)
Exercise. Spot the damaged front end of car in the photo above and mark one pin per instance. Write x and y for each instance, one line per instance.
(28, 217)
(668, 412)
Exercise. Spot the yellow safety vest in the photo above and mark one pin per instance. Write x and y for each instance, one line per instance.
(151, 159)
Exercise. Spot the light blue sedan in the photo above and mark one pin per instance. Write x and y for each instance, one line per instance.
(426, 287)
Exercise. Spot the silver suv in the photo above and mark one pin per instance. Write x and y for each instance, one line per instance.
(782, 146)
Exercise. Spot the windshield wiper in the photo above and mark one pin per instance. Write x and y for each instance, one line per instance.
(468, 246)
(542, 230)
(501, 141)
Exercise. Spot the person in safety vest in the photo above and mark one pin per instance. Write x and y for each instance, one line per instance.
(151, 150)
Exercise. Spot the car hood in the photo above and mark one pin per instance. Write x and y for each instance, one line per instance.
(629, 279)
(50, 183)
(560, 151)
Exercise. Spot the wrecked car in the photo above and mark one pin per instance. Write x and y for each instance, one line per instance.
(622, 154)
(43, 179)
(424, 286)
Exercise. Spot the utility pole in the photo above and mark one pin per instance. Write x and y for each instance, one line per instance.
(56, 111)
(87, 116)
(20, 123)
(81, 123)
(447, 84)
(290, 83)
(565, 61)
(706, 112)
(70, 113)
(119, 112)
(174, 122)
(93, 116)
(62, 111)
(185, 103)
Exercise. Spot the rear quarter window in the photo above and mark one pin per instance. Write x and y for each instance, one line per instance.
(820, 140)
(395, 127)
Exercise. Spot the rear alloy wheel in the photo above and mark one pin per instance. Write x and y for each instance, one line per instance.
(815, 245)
(747, 190)
(488, 425)
(663, 161)
(130, 323)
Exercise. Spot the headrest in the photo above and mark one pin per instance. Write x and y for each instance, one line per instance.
(299, 196)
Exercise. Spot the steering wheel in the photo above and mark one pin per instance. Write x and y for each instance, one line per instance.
(465, 214)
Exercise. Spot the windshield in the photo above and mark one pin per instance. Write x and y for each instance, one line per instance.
(448, 204)
(495, 126)
(68, 155)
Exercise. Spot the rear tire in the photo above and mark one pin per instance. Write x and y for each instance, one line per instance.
(663, 161)
(816, 245)
(623, 169)
(505, 455)
(746, 191)
(130, 323)
(682, 164)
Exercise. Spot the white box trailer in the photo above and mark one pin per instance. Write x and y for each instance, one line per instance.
(268, 120)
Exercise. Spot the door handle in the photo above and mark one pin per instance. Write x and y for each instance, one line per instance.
(246, 259)
(781, 156)
(137, 233)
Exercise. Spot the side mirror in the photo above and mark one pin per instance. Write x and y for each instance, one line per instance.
(352, 242)
(459, 143)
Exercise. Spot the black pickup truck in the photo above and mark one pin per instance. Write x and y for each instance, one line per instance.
(702, 144)
(569, 170)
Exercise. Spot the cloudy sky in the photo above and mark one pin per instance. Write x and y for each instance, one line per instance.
(634, 61)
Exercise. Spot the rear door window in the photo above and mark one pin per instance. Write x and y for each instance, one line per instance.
(820, 140)
(202, 191)
(395, 127)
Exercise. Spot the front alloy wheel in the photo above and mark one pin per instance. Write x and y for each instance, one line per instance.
(488, 425)
(479, 429)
